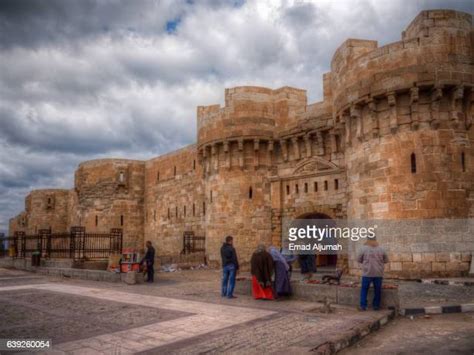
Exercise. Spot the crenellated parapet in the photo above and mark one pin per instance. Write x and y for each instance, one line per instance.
(423, 81)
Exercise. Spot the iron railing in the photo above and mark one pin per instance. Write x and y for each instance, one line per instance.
(193, 243)
(77, 244)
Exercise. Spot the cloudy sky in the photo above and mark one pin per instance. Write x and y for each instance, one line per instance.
(87, 79)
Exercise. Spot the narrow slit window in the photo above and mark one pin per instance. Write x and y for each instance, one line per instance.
(194, 164)
(315, 186)
(203, 208)
(336, 184)
(210, 196)
(158, 176)
(194, 210)
(306, 187)
(121, 177)
(176, 211)
(463, 162)
(325, 185)
(287, 189)
(121, 220)
(154, 215)
(184, 211)
(96, 221)
(250, 192)
(174, 171)
(413, 163)
(297, 190)
(169, 213)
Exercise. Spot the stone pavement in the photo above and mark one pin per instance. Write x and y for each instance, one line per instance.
(181, 313)
(441, 334)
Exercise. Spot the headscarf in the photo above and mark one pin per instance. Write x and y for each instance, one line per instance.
(276, 255)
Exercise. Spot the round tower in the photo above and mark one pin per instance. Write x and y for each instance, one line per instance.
(235, 145)
(406, 109)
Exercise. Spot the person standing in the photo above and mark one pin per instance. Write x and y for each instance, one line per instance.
(308, 265)
(290, 259)
(372, 257)
(149, 260)
(261, 265)
(230, 266)
(282, 280)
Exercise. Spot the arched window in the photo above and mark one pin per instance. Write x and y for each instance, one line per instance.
(413, 163)
(250, 192)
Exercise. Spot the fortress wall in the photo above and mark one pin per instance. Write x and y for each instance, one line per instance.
(442, 53)
(173, 203)
(382, 105)
(110, 194)
(44, 209)
(413, 97)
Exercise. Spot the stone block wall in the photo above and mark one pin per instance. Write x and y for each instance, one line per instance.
(392, 139)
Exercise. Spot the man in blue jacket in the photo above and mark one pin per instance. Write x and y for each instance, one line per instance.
(230, 266)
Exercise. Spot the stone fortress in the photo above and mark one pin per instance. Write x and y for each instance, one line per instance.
(392, 139)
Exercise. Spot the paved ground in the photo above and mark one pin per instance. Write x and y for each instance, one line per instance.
(183, 313)
(441, 334)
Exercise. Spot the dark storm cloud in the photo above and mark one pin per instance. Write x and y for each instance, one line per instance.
(88, 79)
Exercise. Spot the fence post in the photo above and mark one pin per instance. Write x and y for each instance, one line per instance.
(72, 244)
(78, 235)
(45, 238)
(116, 240)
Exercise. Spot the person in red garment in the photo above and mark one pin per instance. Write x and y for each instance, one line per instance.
(262, 270)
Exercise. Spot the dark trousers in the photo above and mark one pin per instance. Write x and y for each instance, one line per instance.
(150, 271)
(366, 281)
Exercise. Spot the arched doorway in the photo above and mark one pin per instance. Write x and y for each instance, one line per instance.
(322, 259)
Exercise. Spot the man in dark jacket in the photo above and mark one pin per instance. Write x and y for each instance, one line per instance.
(149, 260)
(230, 265)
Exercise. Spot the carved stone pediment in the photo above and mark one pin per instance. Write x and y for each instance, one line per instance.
(315, 165)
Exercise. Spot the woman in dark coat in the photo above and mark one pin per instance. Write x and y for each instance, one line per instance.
(282, 279)
(262, 270)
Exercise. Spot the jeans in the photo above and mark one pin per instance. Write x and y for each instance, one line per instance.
(150, 271)
(366, 281)
(228, 280)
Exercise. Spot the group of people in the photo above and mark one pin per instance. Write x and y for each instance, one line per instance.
(270, 268)
(271, 271)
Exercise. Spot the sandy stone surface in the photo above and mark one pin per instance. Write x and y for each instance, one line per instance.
(442, 334)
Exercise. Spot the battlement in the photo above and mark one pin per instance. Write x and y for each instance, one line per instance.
(428, 22)
(250, 111)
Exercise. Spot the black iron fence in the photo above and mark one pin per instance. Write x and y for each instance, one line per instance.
(193, 243)
(77, 244)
